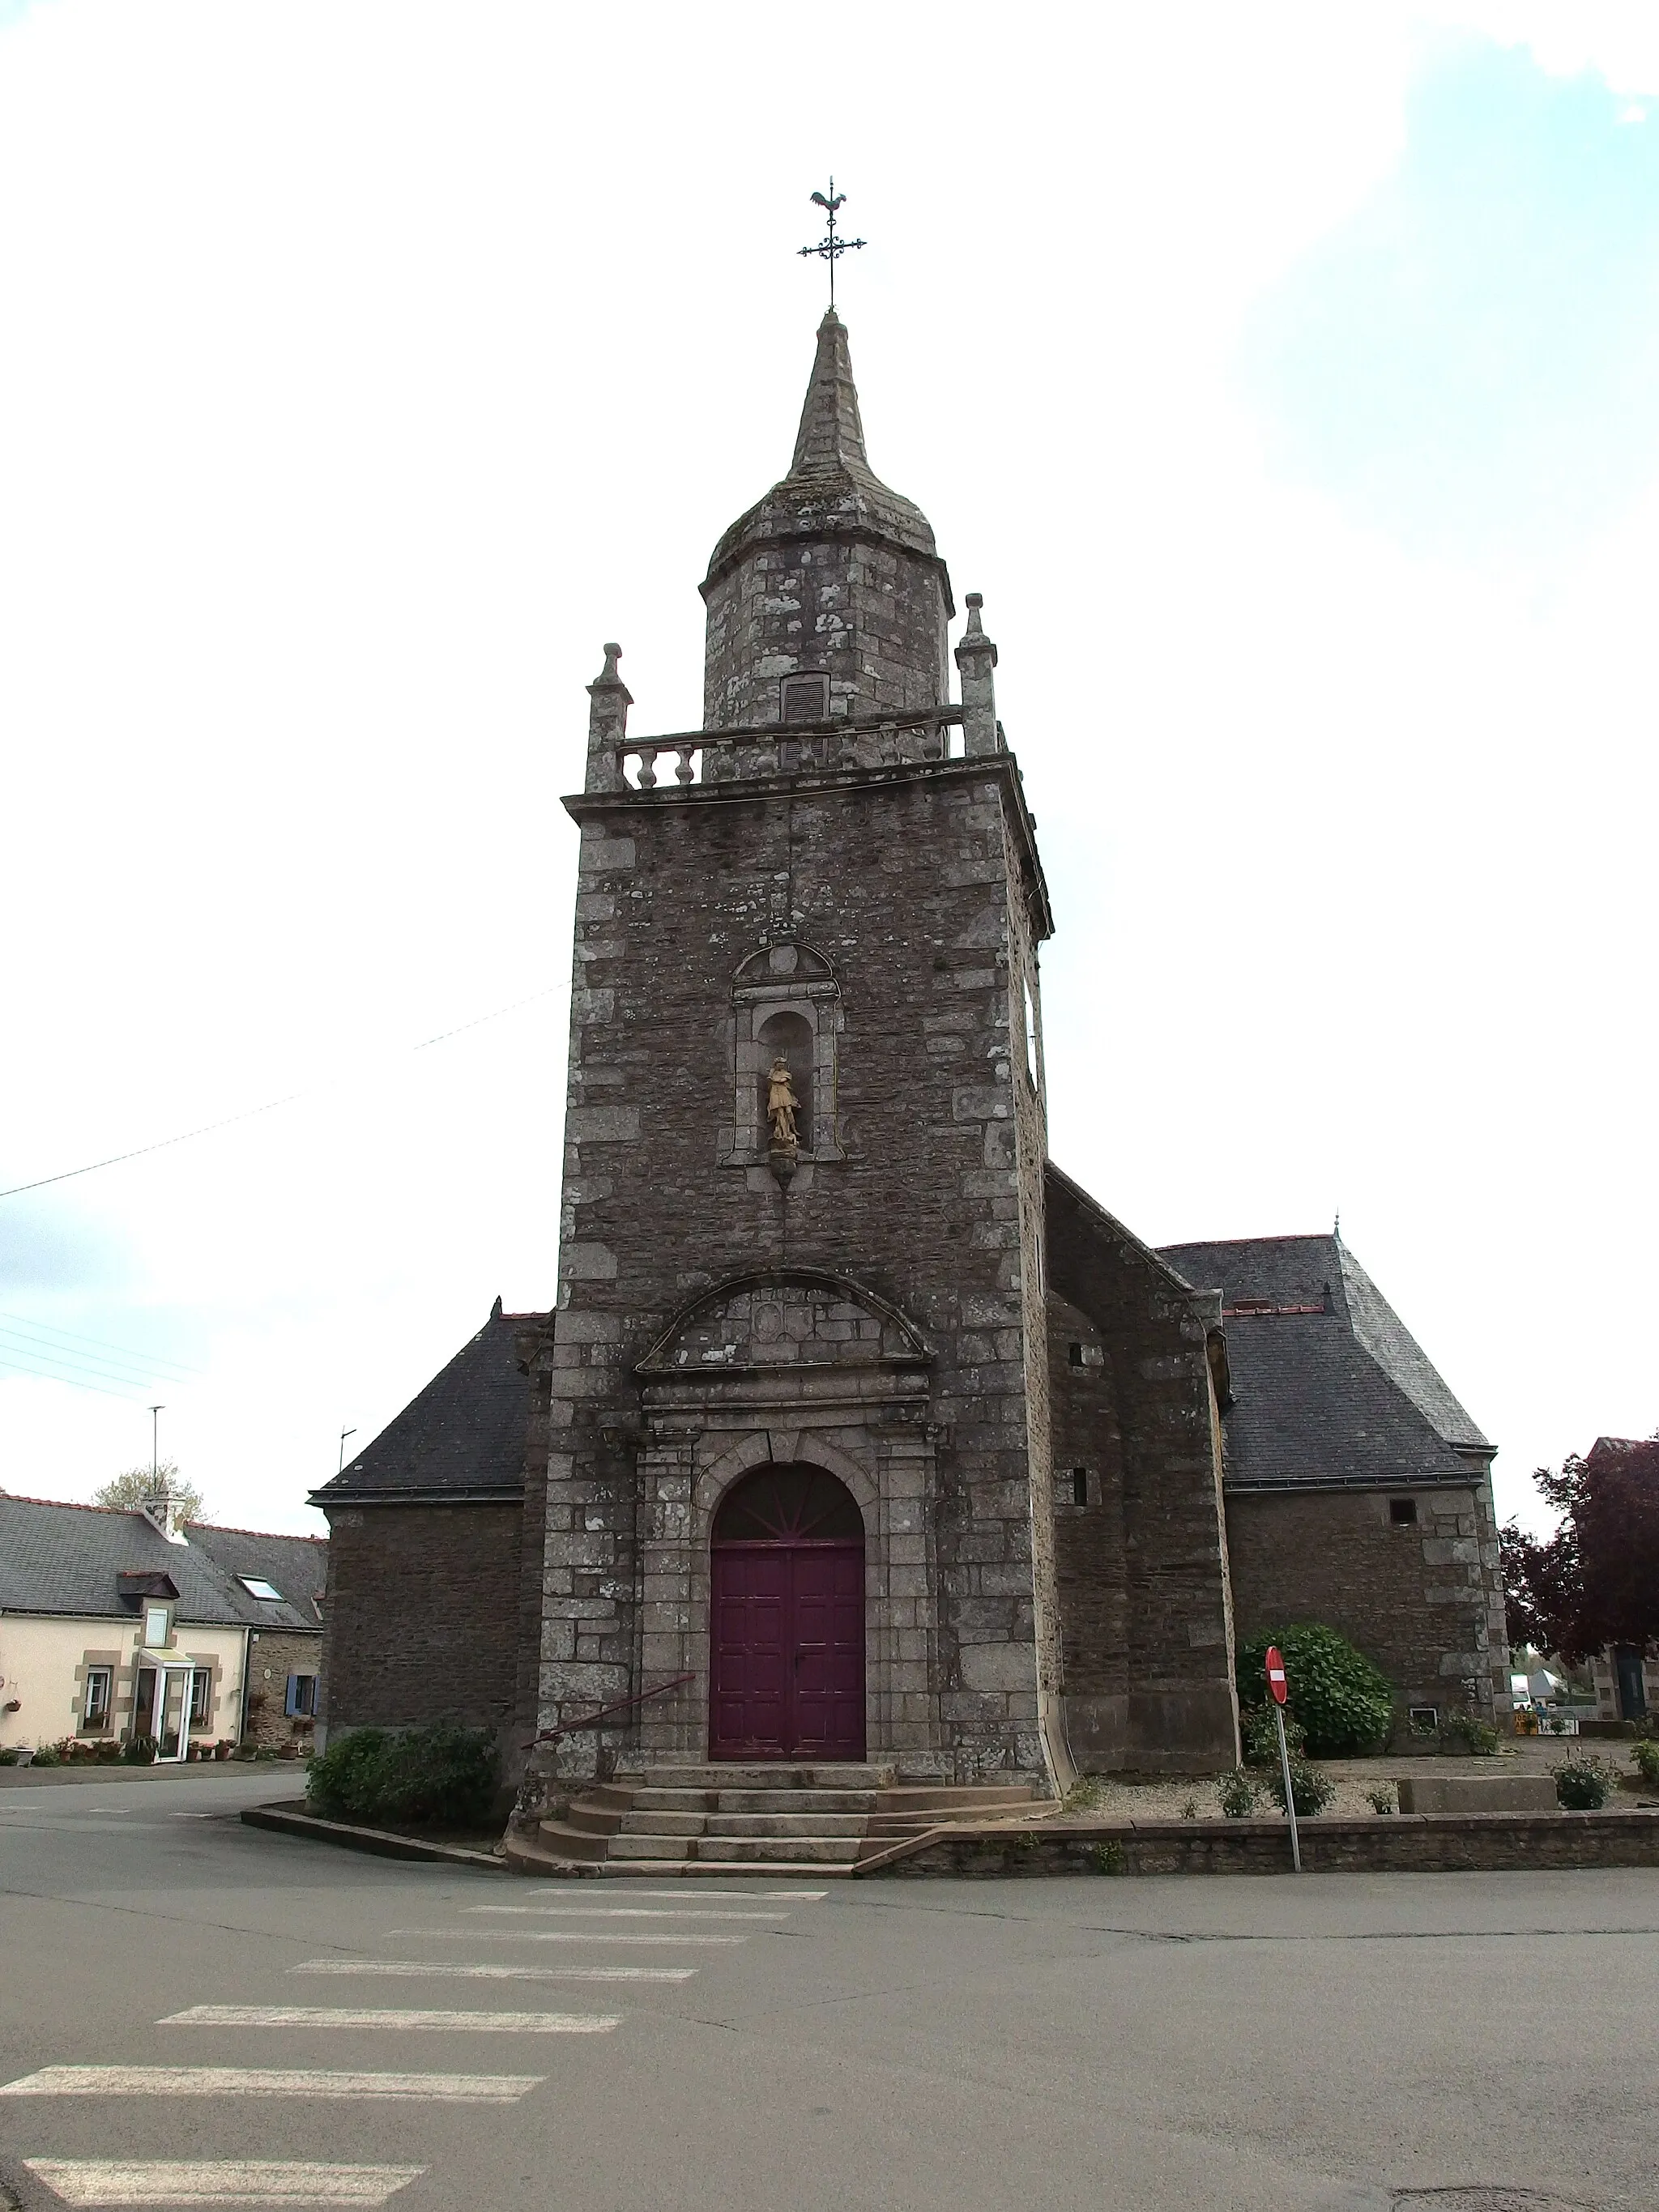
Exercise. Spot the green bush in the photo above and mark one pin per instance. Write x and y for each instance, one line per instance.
(1237, 1794)
(1312, 1790)
(1584, 1784)
(8, 1758)
(47, 1754)
(1343, 1703)
(1261, 1736)
(139, 1751)
(1381, 1800)
(1646, 1756)
(1468, 1733)
(446, 1776)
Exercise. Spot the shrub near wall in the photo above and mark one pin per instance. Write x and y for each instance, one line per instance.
(442, 1777)
(1345, 1704)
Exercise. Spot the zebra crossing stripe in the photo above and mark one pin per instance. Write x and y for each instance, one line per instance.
(428, 1968)
(477, 2023)
(621, 1912)
(748, 1896)
(560, 1935)
(269, 2081)
(92, 2181)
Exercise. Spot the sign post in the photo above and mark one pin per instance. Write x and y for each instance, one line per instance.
(1281, 1690)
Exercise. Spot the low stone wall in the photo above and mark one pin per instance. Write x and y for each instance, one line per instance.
(1396, 1844)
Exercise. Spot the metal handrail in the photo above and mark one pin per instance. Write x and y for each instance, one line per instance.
(592, 1720)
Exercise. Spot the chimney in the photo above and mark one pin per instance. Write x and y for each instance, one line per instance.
(165, 1513)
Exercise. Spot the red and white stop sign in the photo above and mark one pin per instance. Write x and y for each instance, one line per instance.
(1276, 1681)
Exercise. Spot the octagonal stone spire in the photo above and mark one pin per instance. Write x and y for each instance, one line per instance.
(828, 597)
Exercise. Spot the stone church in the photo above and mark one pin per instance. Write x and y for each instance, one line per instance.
(860, 1432)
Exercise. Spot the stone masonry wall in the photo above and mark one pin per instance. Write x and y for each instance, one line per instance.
(420, 1617)
(901, 880)
(274, 1654)
(868, 616)
(1161, 1698)
(1417, 1599)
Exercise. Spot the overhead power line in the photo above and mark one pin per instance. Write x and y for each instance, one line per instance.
(250, 1113)
(131, 1397)
(19, 1346)
(70, 1341)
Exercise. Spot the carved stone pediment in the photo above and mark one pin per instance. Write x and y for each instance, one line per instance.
(785, 1319)
(786, 968)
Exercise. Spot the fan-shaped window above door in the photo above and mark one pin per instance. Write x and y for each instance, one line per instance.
(789, 1505)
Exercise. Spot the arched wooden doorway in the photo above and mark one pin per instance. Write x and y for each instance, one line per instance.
(786, 1661)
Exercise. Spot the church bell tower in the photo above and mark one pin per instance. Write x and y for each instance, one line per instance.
(797, 1393)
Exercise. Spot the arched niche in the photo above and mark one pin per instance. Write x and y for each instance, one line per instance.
(785, 1002)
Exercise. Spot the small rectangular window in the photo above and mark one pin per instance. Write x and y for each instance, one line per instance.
(1079, 1485)
(155, 1625)
(806, 699)
(302, 1697)
(1402, 1512)
(257, 1586)
(1074, 1353)
(201, 1691)
(94, 1706)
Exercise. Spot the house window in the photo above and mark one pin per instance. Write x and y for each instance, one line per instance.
(301, 1699)
(94, 1705)
(1079, 1485)
(155, 1626)
(1402, 1512)
(201, 1696)
(257, 1586)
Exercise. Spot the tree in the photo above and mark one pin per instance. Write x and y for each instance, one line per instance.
(130, 1490)
(1596, 1581)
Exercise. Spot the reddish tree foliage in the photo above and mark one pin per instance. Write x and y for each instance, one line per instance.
(1595, 1582)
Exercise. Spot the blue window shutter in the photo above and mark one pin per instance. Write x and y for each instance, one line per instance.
(290, 1704)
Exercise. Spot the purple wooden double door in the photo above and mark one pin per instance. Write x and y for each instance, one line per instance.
(787, 1659)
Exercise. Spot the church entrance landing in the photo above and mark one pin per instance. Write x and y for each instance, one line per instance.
(787, 1639)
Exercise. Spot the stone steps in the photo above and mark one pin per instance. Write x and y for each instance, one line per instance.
(724, 1774)
(784, 1819)
(739, 1850)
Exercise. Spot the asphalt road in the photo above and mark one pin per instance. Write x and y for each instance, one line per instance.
(1125, 2045)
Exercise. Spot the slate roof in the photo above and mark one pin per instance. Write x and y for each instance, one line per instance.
(60, 1558)
(1329, 1387)
(462, 1439)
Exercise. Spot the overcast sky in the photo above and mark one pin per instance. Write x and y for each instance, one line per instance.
(1285, 378)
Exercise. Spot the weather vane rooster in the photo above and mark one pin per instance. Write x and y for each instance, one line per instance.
(830, 248)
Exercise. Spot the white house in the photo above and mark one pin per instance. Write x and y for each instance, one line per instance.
(118, 1624)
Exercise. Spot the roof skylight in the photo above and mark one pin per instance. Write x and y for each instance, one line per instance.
(256, 1586)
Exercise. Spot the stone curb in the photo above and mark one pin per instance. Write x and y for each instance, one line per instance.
(1394, 1843)
(382, 1842)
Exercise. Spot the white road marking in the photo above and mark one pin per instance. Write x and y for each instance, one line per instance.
(269, 2081)
(559, 1936)
(621, 1912)
(692, 1888)
(425, 1967)
(481, 2023)
(216, 2181)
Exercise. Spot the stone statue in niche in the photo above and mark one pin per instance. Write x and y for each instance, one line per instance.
(781, 1107)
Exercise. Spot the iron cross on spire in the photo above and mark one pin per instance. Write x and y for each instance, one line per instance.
(831, 248)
